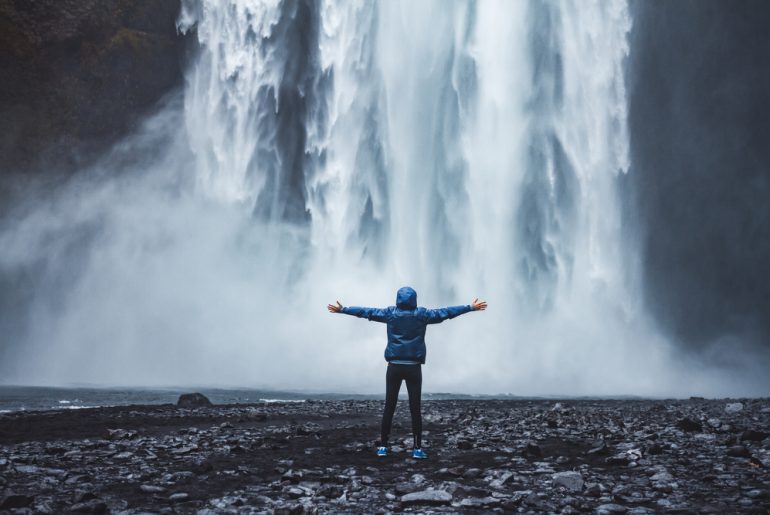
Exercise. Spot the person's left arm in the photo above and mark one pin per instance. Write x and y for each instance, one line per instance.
(436, 316)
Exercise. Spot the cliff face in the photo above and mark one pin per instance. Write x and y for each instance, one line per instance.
(76, 74)
(700, 125)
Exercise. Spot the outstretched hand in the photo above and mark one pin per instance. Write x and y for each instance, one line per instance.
(479, 306)
(335, 308)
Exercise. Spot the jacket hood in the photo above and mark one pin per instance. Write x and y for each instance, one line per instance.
(406, 298)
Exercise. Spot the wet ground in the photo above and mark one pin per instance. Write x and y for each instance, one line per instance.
(603, 456)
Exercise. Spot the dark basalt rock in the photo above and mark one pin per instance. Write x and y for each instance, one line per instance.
(11, 501)
(193, 400)
(750, 435)
(689, 424)
(618, 459)
(92, 506)
(532, 450)
(465, 444)
(739, 451)
(653, 449)
(84, 496)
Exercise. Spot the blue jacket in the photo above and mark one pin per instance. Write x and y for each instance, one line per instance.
(406, 324)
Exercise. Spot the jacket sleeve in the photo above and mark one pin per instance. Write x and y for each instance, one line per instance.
(436, 316)
(373, 314)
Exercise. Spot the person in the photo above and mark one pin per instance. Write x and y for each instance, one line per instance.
(405, 353)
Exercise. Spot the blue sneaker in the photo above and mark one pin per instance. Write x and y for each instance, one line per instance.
(419, 454)
(382, 452)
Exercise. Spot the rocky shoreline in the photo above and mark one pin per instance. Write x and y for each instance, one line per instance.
(596, 456)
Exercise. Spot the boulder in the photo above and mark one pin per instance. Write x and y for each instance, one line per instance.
(734, 407)
(193, 400)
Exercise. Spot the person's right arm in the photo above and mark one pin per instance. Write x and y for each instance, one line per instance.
(373, 314)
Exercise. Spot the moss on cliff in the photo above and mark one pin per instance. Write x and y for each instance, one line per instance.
(13, 42)
(76, 74)
(138, 42)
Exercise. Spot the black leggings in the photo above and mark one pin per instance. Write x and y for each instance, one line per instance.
(412, 374)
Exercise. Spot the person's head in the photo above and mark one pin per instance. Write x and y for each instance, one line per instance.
(406, 298)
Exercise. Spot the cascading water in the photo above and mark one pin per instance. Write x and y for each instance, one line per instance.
(462, 150)
(328, 150)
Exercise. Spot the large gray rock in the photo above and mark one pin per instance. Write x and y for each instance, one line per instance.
(193, 400)
(570, 480)
(435, 497)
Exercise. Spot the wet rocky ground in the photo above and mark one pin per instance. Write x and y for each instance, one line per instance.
(622, 456)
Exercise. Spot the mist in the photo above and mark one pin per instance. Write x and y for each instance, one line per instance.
(472, 151)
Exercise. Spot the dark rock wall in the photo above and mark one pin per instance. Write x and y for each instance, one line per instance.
(699, 75)
(76, 74)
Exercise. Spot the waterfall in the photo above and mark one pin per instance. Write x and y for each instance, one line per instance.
(387, 134)
(464, 148)
(342, 149)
